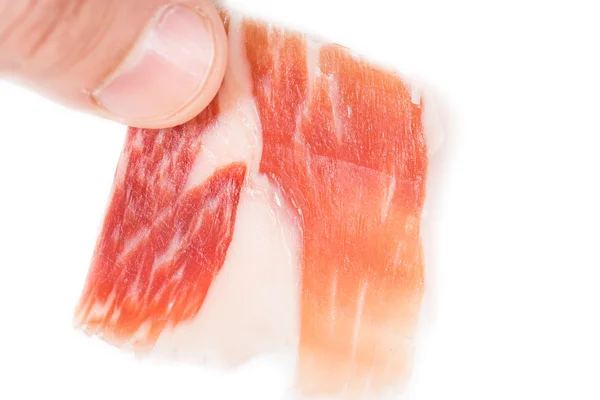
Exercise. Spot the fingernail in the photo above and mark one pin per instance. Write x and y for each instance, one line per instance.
(165, 70)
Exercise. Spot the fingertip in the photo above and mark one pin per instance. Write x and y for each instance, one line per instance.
(172, 73)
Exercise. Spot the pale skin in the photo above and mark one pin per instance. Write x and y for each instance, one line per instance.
(142, 63)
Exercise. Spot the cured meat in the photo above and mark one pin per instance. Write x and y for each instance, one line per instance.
(285, 217)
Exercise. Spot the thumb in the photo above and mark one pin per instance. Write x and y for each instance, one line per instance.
(145, 63)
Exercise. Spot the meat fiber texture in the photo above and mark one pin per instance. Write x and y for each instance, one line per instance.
(286, 218)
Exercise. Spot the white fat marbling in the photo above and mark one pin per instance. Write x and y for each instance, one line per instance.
(252, 306)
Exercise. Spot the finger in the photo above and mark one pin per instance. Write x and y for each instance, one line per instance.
(145, 63)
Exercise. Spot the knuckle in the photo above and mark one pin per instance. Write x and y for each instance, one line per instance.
(47, 37)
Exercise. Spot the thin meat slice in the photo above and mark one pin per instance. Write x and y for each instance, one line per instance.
(162, 242)
(345, 144)
(289, 210)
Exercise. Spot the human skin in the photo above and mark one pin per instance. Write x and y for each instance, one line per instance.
(143, 63)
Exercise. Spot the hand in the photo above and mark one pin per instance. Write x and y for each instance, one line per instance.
(145, 63)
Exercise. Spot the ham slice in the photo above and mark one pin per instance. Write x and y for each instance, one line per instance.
(285, 217)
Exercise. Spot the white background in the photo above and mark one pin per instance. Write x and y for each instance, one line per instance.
(513, 247)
